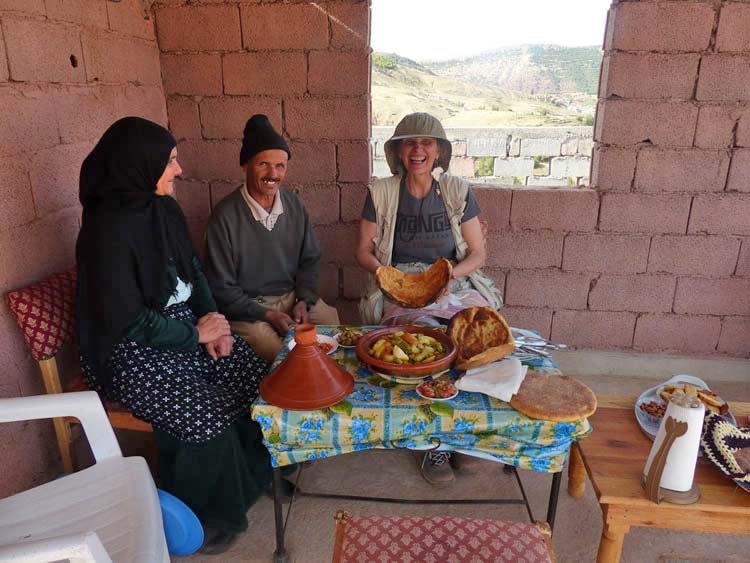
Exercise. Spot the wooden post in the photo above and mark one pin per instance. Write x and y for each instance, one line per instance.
(51, 378)
(610, 546)
(576, 472)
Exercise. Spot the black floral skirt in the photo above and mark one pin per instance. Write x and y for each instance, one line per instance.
(184, 392)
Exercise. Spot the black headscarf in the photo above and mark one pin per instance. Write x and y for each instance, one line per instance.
(129, 235)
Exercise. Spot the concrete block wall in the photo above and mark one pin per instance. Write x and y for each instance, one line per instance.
(306, 66)
(67, 71)
(563, 152)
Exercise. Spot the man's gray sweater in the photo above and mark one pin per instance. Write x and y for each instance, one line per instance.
(244, 260)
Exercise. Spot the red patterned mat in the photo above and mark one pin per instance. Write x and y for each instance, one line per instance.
(411, 539)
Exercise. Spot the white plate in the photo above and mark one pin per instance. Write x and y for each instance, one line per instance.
(647, 423)
(436, 398)
(336, 336)
(322, 338)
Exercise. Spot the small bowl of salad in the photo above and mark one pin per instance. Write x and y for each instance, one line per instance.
(441, 389)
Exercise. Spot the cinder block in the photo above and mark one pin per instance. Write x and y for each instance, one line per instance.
(498, 278)
(534, 318)
(321, 202)
(40, 52)
(625, 122)
(458, 148)
(339, 73)
(574, 167)
(569, 146)
(640, 213)
(640, 293)
(86, 12)
(540, 147)
(524, 249)
(54, 177)
(651, 76)
(211, 160)
(546, 181)
(725, 78)
(352, 200)
(16, 193)
(462, 166)
(380, 168)
(495, 204)
(734, 24)
(703, 296)
(743, 264)
(706, 256)
(355, 281)
(184, 122)
(211, 28)
(690, 170)
(612, 168)
(25, 6)
(488, 146)
(100, 104)
(194, 198)
(348, 311)
(305, 26)
(716, 126)
(733, 339)
(3, 59)
(593, 329)
(377, 147)
(328, 282)
(312, 162)
(111, 57)
(225, 117)
(220, 190)
(325, 118)
(720, 214)
(142, 101)
(547, 288)
(338, 242)
(350, 24)
(27, 123)
(606, 253)
(682, 333)
(662, 26)
(192, 75)
(258, 73)
(586, 146)
(128, 17)
(558, 209)
(353, 161)
(739, 171)
(197, 228)
(514, 148)
(513, 166)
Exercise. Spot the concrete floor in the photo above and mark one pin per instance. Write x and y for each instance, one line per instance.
(310, 530)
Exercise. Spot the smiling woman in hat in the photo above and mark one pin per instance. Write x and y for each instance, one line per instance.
(411, 219)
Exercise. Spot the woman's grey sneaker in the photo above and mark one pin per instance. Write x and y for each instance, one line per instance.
(436, 468)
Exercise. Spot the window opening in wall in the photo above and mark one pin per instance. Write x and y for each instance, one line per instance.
(514, 83)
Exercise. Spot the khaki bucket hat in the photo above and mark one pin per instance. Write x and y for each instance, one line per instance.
(417, 125)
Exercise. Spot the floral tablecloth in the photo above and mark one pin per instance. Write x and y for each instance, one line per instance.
(383, 414)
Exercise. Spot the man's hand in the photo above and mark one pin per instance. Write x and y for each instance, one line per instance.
(212, 326)
(279, 321)
(220, 348)
(299, 312)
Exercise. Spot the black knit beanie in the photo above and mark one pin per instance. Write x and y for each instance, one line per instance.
(260, 136)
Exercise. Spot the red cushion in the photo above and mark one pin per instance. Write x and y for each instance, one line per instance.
(44, 312)
(414, 539)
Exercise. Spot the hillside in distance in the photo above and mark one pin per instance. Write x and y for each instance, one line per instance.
(456, 94)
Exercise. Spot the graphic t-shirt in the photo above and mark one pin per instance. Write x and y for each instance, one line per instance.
(423, 231)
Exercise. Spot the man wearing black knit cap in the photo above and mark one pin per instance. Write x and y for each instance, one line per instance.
(262, 259)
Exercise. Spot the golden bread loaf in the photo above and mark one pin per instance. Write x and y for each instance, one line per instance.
(481, 336)
(559, 398)
(414, 290)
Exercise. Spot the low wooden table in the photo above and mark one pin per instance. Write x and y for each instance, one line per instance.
(614, 455)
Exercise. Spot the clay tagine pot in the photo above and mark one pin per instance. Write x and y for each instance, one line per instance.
(307, 379)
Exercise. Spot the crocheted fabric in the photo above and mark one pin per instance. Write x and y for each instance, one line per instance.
(44, 313)
(728, 448)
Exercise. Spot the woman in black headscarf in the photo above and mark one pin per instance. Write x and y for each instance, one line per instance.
(150, 336)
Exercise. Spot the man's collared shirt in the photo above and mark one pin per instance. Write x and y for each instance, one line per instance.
(268, 220)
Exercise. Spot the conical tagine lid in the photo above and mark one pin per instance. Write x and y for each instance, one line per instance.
(307, 379)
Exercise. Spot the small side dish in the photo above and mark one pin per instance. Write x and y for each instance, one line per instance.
(437, 390)
(348, 337)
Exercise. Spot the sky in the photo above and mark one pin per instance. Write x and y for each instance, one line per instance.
(443, 29)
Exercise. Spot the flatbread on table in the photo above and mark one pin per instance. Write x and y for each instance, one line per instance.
(481, 336)
(414, 291)
(559, 398)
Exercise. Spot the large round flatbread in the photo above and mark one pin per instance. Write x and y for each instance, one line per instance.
(481, 336)
(559, 398)
(414, 290)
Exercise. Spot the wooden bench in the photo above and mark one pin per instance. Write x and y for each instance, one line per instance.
(45, 314)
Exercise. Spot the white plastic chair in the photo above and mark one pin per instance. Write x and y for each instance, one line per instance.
(107, 512)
